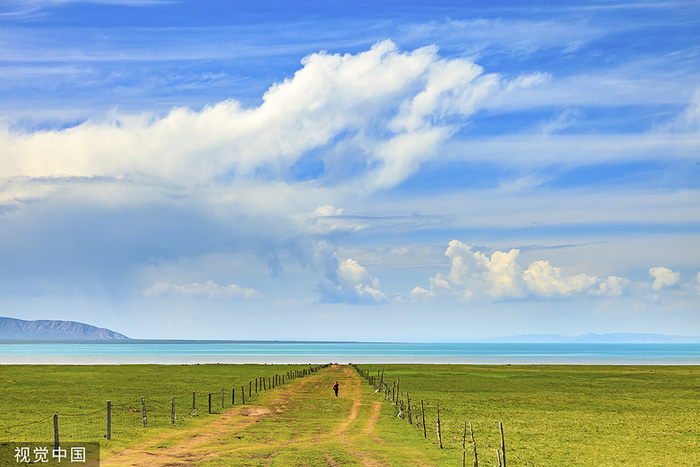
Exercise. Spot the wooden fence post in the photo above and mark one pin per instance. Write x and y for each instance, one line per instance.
(172, 412)
(194, 410)
(233, 396)
(503, 444)
(438, 426)
(464, 445)
(243, 395)
(109, 420)
(143, 408)
(476, 462)
(422, 412)
(209, 402)
(222, 398)
(55, 431)
(408, 407)
(250, 389)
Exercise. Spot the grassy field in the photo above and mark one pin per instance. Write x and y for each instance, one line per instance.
(79, 394)
(298, 423)
(561, 415)
(552, 415)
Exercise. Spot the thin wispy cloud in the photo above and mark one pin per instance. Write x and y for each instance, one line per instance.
(32, 9)
(512, 37)
(208, 289)
(50, 3)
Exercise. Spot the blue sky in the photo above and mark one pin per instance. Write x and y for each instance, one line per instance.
(395, 171)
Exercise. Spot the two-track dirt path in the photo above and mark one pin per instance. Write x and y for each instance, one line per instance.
(301, 423)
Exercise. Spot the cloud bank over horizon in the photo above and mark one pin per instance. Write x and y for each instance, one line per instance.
(474, 275)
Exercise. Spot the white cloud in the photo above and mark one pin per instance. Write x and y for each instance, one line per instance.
(419, 292)
(513, 36)
(353, 275)
(450, 89)
(326, 210)
(613, 286)
(689, 119)
(563, 120)
(401, 105)
(402, 155)
(328, 221)
(209, 289)
(474, 275)
(351, 283)
(664, 277)
(528, 81)
(548, 281)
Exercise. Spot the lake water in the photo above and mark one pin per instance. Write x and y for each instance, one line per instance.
(190, 352)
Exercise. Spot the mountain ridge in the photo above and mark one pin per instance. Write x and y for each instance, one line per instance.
(50, 330)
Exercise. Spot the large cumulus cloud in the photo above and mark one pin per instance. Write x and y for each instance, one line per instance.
(475, 275)
(392, 108)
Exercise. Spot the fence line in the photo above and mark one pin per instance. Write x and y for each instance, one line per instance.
(119, 419)
(392, 393)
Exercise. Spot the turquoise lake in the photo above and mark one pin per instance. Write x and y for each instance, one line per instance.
(192, 352)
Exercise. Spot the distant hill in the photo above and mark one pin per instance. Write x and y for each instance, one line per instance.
(52, 330)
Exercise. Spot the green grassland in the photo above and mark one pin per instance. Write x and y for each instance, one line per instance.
(559, 415)
(552, 415)
(79, 393)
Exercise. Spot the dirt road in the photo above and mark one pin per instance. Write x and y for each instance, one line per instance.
(302, 423)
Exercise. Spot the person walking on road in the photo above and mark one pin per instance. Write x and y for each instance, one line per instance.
(335, 388)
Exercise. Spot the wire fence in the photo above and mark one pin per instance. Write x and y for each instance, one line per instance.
(126, 418)
(425, 416)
